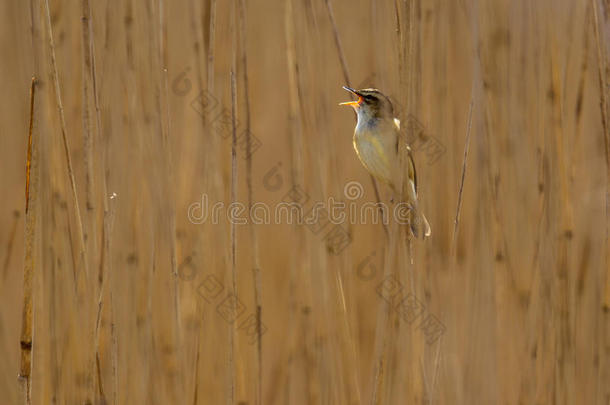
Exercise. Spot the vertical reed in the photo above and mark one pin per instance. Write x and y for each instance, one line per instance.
(31, 195)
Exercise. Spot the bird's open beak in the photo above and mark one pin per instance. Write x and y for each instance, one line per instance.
(354, 104)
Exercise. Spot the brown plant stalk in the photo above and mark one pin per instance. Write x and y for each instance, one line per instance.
(31, 195)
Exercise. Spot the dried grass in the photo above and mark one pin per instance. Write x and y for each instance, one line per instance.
(516, 268)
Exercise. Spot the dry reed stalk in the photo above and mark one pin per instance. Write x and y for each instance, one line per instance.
(437, 362)
(488, 287)
(164, 122)
(415, 55)
(105, 262)
(162, 34)
(203, 62)
(66, 145)
(88, 146)
(211, 46)
(53, 314)
(540, 287)
(28, 162)
(581, 83)
(337, 39)
(346, 343)
(345, 340)
(380, 369)
(374, 37)
(90, 72)
(196, 374)
(9, 244)
(463, 176)
(96, 104)
(86, 121)
(115, 353)
(296, 178)
(216, 150)
(233, 276)
(170, 180)
(602, 68)
(602, 72)
(242, 26)
(202, 165)
(166, 131)
(186, 144)
(259, 337)
(31, 198)
(565, 362)
(535, 304)
(401, 50)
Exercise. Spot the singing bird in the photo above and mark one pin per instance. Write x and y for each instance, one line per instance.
(376, 140)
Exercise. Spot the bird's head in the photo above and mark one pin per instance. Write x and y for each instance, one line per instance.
(371, 104)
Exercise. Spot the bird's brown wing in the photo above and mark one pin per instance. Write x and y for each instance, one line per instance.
(412, 171)
(404, 152)
(419, 224)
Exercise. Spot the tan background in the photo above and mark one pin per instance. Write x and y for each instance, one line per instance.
(522, 290)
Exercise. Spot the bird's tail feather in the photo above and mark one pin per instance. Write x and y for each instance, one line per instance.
(420, 228)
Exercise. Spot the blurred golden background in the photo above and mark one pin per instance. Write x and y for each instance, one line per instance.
(111, 292)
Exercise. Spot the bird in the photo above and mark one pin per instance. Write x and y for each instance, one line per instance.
(378, 145)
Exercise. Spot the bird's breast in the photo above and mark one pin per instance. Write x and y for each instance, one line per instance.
(376, 151)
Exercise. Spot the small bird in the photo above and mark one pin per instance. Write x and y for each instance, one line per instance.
(376, 141)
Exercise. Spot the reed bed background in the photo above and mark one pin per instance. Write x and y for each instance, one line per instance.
(110, 294)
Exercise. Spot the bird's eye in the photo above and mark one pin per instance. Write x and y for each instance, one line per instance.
(369, 98)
